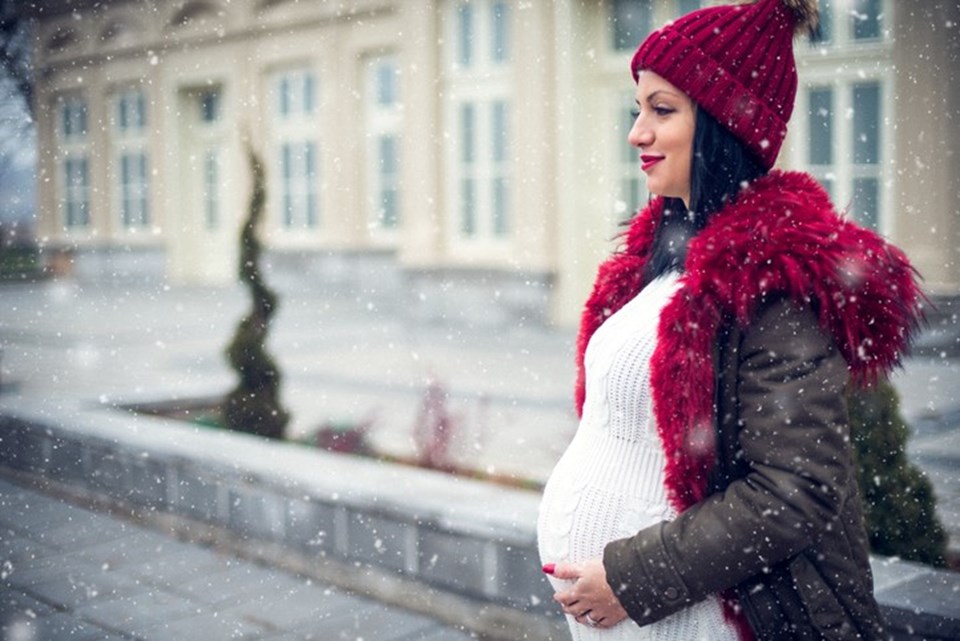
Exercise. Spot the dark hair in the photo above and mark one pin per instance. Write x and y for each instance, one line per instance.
(721, 165)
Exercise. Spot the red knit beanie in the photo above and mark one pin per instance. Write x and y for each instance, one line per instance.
(737, 63)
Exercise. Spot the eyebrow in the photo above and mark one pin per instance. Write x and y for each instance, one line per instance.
(654, 93)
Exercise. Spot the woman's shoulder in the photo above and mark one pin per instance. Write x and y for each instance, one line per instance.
(780, 200)
(784, 238)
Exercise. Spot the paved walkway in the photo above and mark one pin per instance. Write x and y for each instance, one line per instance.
(67, 573)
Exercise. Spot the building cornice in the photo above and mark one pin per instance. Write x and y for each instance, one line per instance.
(171, 39)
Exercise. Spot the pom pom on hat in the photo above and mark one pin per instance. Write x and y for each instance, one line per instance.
(735, 61)
(807, 14)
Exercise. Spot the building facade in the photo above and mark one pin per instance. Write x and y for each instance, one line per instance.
(459, 158)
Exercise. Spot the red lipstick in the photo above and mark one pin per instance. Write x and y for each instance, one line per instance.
(649, 161)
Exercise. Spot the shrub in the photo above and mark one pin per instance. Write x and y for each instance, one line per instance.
(899, 504)
(254, 404)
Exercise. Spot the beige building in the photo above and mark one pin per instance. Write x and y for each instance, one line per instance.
(458, 158)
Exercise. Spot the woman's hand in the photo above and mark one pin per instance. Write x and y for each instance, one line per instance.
(590, 599)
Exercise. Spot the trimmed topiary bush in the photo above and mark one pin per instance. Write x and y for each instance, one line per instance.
(899, 504)
(254, 404)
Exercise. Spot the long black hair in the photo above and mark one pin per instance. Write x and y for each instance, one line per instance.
(720, 167)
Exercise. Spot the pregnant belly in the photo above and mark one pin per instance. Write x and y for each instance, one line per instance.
(579, 516)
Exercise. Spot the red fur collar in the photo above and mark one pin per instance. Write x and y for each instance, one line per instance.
(781, 236)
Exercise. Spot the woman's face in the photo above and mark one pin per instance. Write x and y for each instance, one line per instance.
(663, 132)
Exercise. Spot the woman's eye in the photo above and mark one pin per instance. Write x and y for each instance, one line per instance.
(635, 113)
(663, 111)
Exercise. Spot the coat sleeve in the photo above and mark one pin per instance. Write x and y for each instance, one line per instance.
(794, 440)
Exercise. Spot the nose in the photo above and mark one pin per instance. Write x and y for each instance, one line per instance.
(640, 135)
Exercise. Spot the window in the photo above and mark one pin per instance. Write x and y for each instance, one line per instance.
(293, 95)
(465, 36)
(866, 16)
(500, 167)
(845, 153)
(298, 167)
(484, 168)
(209, 103)
(388, 211)
(74, 181)
(850, 22)
(133, 190)
(73, 111)
(77, 192)
(841, 137)
(386, 83)
(481, 33)
(821, 136)
(130, 161)
(866, 123)
(480, 128)
(866, 153)
(468, 170)
(131, 111)
(384, 113)
(500, 32)
(211, 189)
(630, 22)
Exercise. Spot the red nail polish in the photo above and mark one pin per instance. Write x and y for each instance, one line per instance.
(549, 568)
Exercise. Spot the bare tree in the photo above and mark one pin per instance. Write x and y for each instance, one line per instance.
(16, 87)
(16, 42)
(16, 125)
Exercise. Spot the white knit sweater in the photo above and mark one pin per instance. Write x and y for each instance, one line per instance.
(609, 482)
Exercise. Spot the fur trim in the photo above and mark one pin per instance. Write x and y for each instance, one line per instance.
(780, 237)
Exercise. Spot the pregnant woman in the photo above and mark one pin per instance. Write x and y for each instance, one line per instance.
(709, 492)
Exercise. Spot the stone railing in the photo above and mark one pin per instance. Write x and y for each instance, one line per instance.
(459, 549)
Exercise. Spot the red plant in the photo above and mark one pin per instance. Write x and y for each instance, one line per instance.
(435, 428)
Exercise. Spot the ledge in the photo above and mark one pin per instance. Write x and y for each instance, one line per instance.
(458, 547)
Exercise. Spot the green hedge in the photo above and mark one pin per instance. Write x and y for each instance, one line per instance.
(899, 503)
(19, 262)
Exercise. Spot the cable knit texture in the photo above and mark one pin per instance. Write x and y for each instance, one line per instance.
(781, 236)
(609, 483)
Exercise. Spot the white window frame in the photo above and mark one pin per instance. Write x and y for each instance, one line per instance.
(483, 54)
(484, 170)
(212, 182)
(297, 130)
(844, 170)
(74, 147)
(842, 63)
(130, 141)
(840, 16)
(382, 120)
(210, 147)
(486, 82)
